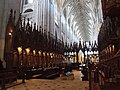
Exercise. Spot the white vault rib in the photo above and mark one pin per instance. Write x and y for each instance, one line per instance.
(83, 12)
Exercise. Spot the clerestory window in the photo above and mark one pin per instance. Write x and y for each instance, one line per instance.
(28, 1)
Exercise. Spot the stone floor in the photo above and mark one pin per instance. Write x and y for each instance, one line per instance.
(56, 84)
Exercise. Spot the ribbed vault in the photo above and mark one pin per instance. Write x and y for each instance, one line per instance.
(85, 16)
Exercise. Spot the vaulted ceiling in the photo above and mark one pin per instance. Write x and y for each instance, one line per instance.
(86, 15)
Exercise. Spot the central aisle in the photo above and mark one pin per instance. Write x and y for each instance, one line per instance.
(56, 84)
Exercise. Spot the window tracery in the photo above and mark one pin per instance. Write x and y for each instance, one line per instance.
(28, 1)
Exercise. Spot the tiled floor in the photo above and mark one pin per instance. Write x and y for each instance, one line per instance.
(56, 84)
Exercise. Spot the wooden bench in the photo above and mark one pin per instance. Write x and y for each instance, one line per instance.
(51, 72)
(57, 73)
(35, 76)
(7, 78)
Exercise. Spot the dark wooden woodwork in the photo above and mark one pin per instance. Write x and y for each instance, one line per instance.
(45, 50)
(109, 47)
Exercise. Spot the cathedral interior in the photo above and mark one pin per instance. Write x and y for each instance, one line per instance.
(59, 45)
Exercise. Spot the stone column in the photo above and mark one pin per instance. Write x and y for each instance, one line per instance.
(51, 26)
(39, 13)
(48, 15)
(43, 14)
(2, 3)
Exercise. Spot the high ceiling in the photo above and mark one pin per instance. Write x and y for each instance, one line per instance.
(86, 15)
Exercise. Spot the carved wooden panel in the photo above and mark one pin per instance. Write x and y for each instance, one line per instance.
(107, 5)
